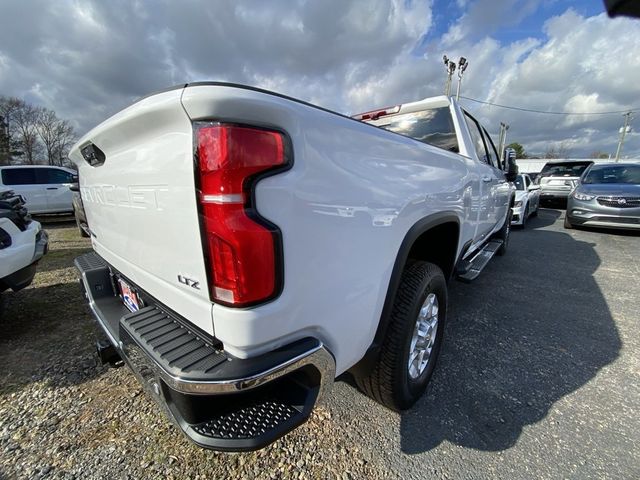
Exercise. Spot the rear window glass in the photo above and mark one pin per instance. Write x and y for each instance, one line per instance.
(18, 176)
(613, 174)
(52, 175)
(568, 169)
(434, 126)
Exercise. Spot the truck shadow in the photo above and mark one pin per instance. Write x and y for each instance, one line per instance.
(548, 216)
(55, 220)
(532, 329)
(545, 217)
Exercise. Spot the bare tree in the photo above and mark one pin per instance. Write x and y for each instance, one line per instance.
(8, 144)
(65, 138)
(24, 120)
(558, 150)
(57, 136)
(46, 125)
(33, 133)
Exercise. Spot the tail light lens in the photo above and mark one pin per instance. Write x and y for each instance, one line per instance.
(242, 248)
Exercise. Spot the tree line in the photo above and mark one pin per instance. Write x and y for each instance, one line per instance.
(553, 151)
(33, 135)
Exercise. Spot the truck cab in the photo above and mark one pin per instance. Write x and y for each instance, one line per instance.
(442, 122)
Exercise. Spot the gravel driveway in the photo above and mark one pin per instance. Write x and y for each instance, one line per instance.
(539, 377)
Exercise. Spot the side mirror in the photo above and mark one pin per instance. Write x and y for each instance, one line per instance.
(510, 168)
(75, 183)
(628, 8)
(534, 187)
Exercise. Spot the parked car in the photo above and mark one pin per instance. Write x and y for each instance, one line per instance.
(607, 195)
(22, 243)
(249, 247)
(44, 188)
(558, 179)
(527, 200)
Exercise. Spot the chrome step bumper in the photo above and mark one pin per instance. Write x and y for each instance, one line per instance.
(219, 402)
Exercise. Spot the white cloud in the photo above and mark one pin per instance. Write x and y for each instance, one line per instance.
(87, 60)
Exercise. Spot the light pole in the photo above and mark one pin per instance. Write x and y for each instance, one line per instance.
(462, 66)
(622, 132)
(450, 67)
(502, 142)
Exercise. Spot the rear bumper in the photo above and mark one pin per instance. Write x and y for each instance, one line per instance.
(218, 401)
(548, 194)
(22, 278)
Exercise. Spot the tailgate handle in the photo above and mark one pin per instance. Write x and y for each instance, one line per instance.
(93, 155)
(52, 188)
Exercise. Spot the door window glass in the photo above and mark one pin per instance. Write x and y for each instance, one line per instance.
(476, 137)
(52, 175)
(494, 158)
(18, 176)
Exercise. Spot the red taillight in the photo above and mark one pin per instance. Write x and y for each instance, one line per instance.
(241, 247)
(376, 114)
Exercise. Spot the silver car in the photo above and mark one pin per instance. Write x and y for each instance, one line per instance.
(607, 195)
(558, 178)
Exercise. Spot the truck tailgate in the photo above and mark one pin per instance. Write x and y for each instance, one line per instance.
(141, 202)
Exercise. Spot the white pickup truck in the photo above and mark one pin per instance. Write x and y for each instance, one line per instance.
(22, 242)
(249, 247)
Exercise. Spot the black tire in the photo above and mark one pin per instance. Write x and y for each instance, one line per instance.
(82, 231)
(525, 215)
(505, 233)
(389, 382)
(567, 224)
(535, 212)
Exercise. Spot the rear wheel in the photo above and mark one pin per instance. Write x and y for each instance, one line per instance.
(535, 212)
(414, 336)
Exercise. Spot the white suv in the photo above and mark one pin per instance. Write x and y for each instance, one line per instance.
(45, 188)
(22, 243)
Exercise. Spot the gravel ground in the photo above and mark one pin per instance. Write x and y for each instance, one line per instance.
(538, 377)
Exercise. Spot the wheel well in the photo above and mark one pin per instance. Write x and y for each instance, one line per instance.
(437, 245)
(434, 239)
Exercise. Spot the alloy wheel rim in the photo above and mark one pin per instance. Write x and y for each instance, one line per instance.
(424, 337)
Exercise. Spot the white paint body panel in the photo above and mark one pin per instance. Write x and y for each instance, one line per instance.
(344, 208)
(23, 246)
(141, 204)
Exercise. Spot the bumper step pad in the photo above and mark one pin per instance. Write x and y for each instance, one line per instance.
(248, 422)
(179, 349)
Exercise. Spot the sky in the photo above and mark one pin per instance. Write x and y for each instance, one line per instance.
(89, 59)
